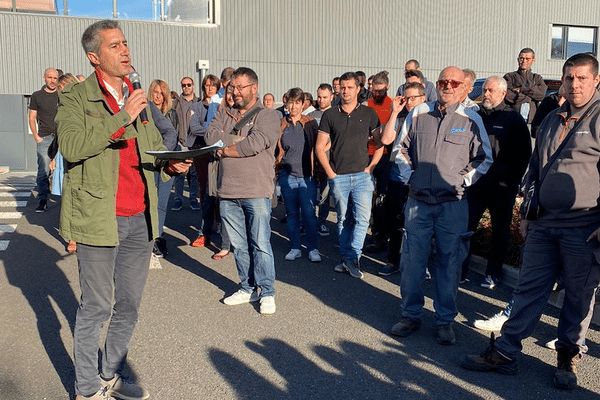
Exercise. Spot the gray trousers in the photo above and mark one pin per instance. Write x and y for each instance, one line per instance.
(547, 253)
(105, 272)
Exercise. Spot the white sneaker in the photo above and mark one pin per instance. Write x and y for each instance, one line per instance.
(241, 297)
(293, 254)
(314, 256)
(491, 324)
(267, 305)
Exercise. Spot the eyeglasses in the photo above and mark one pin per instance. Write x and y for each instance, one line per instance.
(413, 98)
(187, 85)
(239, 88)
(445, 82)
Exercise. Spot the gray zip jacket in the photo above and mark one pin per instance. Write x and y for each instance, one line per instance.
(570, 192)
(439, 155)
(251, 175)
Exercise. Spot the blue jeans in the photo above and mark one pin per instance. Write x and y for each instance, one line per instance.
(548, 253)
(164, 192)
(448, 223)
(192, 180)
(248, 225)
(300, 195)
(43, 174)
(106, 275)
(353, 195)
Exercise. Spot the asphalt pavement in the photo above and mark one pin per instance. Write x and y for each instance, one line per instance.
(329, 339)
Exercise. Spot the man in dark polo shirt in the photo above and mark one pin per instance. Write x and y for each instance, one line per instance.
(345, 131)
(42, 110)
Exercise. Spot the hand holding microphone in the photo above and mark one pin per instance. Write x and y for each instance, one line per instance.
(137, 102)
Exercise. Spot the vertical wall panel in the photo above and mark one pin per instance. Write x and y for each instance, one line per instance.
(303, 43)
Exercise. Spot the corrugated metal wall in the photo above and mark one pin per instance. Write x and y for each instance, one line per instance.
(303, 43)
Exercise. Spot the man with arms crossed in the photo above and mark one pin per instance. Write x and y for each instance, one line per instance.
(109, 207)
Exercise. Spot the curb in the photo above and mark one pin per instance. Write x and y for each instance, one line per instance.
(510, 277)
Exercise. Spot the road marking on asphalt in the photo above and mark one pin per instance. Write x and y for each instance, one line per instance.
(15, 194)
(13, 203)
(155, 262)
(8, 228)
(15, 188)
(11, 215)
(4, 244)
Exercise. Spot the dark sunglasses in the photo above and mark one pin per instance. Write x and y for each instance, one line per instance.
(453, 84)
(187, 85)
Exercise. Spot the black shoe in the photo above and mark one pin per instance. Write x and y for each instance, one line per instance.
(445, 335)
(156, 250)
(388, 269)
(160, 247)
(406, 327)
(490, 360)
(42, 206)
(565, 376)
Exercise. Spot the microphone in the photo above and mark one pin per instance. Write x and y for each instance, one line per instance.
(134, 77)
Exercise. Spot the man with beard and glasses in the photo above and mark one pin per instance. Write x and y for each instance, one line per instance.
(382, 104)
(245, 186)
(497, 189)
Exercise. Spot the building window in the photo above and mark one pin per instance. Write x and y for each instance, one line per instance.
(570, 40)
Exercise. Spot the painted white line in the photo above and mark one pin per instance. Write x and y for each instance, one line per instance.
(8, 228)
(13, 204)
(11, 215)
(4, 244)
(155, 262)
(10, 188)
(15, 194)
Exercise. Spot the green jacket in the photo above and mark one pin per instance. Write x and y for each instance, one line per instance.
(85, 125)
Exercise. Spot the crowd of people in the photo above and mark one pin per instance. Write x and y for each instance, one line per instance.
(419, 169)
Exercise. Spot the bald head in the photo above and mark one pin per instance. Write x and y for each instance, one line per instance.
(450, 86)
(51, 79)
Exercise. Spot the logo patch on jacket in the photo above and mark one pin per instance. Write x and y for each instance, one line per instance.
(454, 130)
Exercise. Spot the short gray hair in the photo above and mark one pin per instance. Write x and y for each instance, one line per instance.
(501, 82)
(469, 73)
(91, 37)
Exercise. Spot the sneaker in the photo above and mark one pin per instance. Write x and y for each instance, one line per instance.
(492, 324)
(406, 327)
(489, 282)
(267, 305)
(241, 297)
(117, 387)
(201, 241)
(293, 254)
(314, 256)
(445, 335)
(353, 268)
(490, 360)
(388, 269)
(177, 205)
(323, 230)
(194, 205)
(156, 250)
(42, 206)
(341, 267)
(565, 376)
(99, 395)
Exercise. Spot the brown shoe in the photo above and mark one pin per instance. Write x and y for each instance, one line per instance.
(490, 360)
(565, 376)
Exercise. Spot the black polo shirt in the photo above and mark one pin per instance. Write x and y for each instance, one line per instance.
(349, 134)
